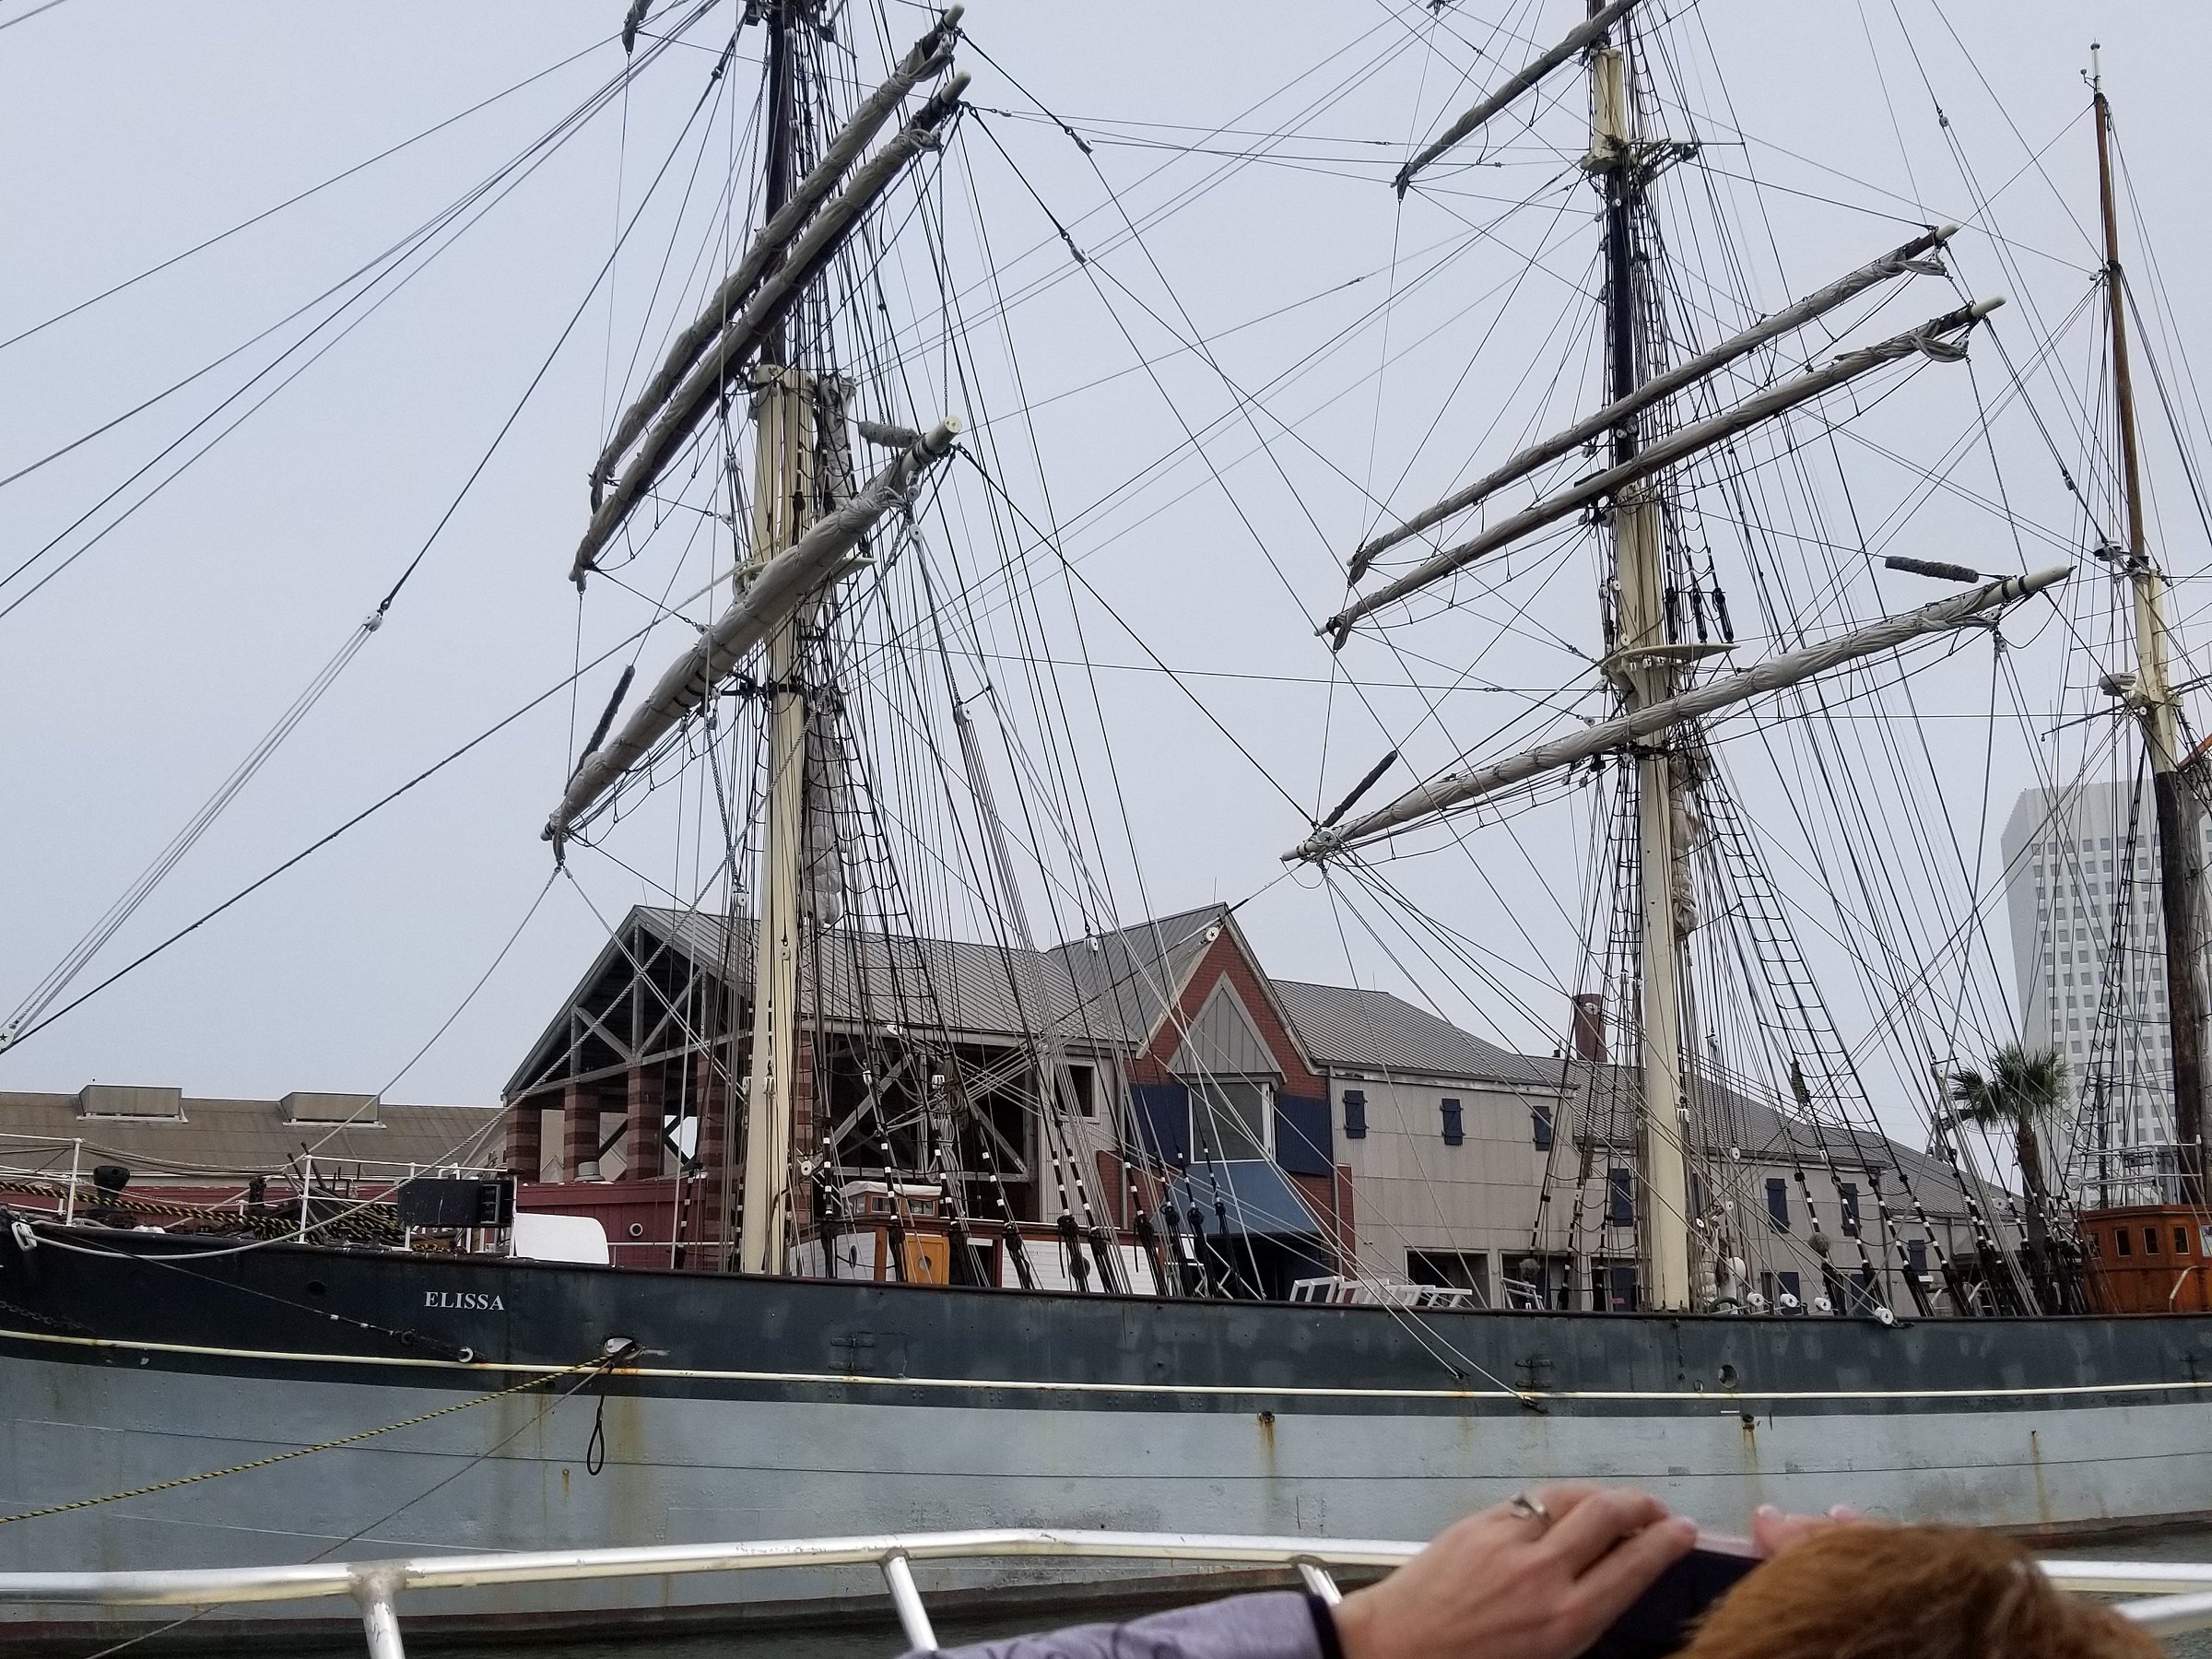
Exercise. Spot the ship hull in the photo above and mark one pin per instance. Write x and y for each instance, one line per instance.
(752, 1408)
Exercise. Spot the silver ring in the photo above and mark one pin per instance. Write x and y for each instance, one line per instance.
(1522, 1507)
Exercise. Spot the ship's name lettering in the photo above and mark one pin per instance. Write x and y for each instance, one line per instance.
(483, 1299)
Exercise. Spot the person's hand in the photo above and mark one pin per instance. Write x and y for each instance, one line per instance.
(1773, 1532)
(1507, 1585)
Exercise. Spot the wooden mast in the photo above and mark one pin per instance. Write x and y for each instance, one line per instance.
(2152, 699)
(785, 443)
(1648, 675)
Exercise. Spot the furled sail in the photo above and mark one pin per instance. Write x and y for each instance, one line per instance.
(1433, 799)
(930, 54)
(702, 387)
(780, 587)
(828, 819)
(1928, 340)
(1912, 257)
(1578, 39)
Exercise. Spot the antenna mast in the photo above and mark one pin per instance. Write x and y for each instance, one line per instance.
(2152, 699)
(1647, 672)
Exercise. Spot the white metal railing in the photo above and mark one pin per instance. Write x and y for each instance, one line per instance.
(2177, 1596)
(297, 1189)
(1381, 1292)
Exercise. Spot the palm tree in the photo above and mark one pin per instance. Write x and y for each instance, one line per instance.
(2022, 1087)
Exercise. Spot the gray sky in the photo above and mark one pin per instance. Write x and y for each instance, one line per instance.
(138, 676)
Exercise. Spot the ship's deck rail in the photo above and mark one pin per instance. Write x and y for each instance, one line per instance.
(2173, 1596)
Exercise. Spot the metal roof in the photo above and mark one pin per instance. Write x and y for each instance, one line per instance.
(1125, 980)
(958, 985)
(1349, 1030)
(1738, 1115)
(218, 1137)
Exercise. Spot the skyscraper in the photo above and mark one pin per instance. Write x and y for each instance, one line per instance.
(2089, 948)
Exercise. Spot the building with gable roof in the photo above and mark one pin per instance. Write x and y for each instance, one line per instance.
(1295, 1129)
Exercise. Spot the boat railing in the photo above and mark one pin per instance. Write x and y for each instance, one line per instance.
(62, 1176)
(1383, 1292)
(2170, 1596)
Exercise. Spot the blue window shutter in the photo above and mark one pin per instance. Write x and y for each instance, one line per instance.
(1916, 1254)
(1302, 1146)
(1163, 1120)
(1778, 1203)
(1851, 1209)
(1454, 1133)
(1539, 1117)
(1355, 1114)
(1620, 1197)
(1789, 1283)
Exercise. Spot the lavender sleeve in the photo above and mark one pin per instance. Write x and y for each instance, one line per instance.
(1277, 1625)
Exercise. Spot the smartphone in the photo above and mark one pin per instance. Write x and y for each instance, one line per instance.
(1660, 1621)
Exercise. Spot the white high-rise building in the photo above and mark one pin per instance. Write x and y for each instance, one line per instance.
(2089, 948)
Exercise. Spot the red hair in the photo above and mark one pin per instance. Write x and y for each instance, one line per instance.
(1910, 1593)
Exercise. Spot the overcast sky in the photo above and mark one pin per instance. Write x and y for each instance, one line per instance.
(140, 673)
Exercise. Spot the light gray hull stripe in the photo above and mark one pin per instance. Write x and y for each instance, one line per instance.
(1721, 1400)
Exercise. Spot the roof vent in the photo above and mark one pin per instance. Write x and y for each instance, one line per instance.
(130, 1101)
(362, 1110)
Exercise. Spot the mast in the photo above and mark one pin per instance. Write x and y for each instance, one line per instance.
(812, 517)
(784, 442)
(1647, 675)
(2153, 701)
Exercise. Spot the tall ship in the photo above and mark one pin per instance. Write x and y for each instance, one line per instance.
(906, 1168)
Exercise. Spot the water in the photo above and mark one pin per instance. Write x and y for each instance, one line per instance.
(2195, 1545)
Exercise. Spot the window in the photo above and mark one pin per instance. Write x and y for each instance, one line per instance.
(2151, 1240)
(1539, 1281)
(1616, 1287)
(1851, 1209)
(1083, 1080)
(1620, 1197)
(1230, 1117)
(1539, 1120)
(1787, 1284)
(1916, 1254)
(2096, 1243)
(1454, 1133)
(1452, 1270)
(2120, 1237)
(2180, 1240)
(1778, 1203)
(1355, 1114)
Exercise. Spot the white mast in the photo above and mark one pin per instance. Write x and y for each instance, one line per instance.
(1647, 672)
(785, 445)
